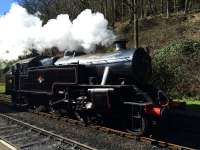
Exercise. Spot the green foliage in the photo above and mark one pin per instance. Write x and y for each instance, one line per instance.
(4, 67)
(176, 68)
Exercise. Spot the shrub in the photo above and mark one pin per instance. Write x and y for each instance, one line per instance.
(176, 68)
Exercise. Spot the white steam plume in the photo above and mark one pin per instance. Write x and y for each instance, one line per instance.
(20, 31)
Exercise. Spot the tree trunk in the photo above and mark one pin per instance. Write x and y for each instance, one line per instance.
(190, 5)
(154, 7)
(142, 8)
(174, 6)
(122, 13)
(150, 6)
(167, 5)
(136, 35)
(186, 6)
(102, 7)
(106, 9)
(113, 7)
(161, 2)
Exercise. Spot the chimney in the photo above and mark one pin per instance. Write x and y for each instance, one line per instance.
(120, 44)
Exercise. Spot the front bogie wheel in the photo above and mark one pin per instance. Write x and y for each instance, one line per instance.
(137, 122)
(138, 125)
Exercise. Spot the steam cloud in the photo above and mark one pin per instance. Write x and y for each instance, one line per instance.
(20, 31)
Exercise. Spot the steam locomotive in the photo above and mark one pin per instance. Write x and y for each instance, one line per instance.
(91, 87)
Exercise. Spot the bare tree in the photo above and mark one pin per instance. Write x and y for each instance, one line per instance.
(114, 10)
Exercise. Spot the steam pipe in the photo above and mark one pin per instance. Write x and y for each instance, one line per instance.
(105, 75)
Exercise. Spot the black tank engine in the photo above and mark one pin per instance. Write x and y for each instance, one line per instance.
(93, 87)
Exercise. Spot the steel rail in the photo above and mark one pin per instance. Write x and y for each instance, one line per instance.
(47, 133)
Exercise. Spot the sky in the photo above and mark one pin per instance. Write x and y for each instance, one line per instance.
(5, 6)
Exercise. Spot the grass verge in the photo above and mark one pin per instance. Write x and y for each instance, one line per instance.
(191, 103)
(2, 87)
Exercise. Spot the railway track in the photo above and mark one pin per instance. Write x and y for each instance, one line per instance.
(152, 141)
(25, 136)
(158, 143)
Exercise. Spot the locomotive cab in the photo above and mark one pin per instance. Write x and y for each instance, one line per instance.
(20, 69)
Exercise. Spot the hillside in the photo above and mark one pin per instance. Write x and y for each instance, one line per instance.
(158, 31)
